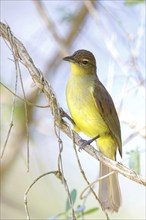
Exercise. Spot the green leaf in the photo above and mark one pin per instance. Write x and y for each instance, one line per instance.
(89, 211)
(134, 160)
(133, 2)
(73, 196)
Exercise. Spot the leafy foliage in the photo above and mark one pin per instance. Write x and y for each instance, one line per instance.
(73, 195)
(79, 211)
(133, 2)
(134, 160)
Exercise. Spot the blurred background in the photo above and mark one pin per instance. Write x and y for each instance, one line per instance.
(114, 31)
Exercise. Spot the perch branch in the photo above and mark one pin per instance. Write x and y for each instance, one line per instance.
(42, 84)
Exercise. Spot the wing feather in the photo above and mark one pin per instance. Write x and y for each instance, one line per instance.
(107, 111)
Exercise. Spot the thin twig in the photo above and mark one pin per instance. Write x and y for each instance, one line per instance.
(23, 100)
(51, 26)
(91, 184)
(85, 177)
(56, 173)
(135, 133)
(8, 134)
(10, 37)
(60, 165)
(26, 114)
(18, 71)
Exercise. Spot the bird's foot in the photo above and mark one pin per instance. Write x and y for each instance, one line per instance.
(65, 115)
(85, 142)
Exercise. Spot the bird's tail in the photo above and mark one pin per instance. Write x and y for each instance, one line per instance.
(109, 190)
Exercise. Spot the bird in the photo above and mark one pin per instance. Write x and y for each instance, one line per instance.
(93, 112)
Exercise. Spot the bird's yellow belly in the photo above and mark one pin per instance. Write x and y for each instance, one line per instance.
(85, 113)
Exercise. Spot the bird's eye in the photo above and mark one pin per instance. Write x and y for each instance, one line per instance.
(85, 61)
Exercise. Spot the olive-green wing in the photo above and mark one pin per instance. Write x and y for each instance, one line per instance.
(108, 112)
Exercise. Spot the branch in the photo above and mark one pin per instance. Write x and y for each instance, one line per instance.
(45, 87)
(60, 176)
(78, 21)
(51, 26)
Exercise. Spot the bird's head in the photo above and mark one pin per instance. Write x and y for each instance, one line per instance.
(82, 62)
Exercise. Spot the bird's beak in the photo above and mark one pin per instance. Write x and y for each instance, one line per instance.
(69, 59)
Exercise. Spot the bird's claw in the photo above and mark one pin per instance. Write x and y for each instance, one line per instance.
(85, 142)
